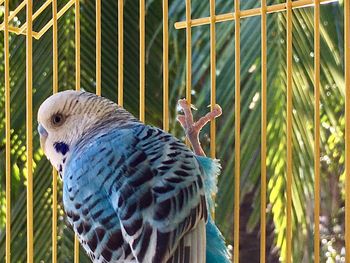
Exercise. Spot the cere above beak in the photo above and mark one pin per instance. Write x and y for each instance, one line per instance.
(42, 131)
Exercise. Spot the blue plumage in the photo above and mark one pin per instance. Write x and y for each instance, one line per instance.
(141, 183)
(132, 192)
(216, 251)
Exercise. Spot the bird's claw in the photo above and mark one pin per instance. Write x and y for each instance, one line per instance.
(192, 129)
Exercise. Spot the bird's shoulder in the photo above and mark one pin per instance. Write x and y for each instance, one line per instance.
(156, 144)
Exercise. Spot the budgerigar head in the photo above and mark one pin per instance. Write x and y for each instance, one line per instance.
(65, 117)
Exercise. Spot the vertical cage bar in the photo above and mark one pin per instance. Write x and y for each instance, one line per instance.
(98, 47)
(188, 51)
(188, 56)
(120, 52)
(77, 87)
(289, 133)
(142, 60)
(212, 77)
(29, 131)
(7, 132)
(76, 249)
(347, 126)
(54, 90)
(237, 129)
(263, 133)
(77, 45)
(317, 131)
(165, 67)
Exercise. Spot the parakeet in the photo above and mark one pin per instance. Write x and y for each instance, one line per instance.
(132, 192)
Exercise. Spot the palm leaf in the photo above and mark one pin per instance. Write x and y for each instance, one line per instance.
(332, 114)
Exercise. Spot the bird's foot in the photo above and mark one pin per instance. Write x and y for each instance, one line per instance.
(192, 129)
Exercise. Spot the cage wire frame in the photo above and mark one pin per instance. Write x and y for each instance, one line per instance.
(237, 15)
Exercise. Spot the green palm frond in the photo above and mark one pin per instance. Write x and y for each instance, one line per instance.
(332, 113)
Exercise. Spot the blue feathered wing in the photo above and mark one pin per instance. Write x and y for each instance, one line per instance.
(136, 194)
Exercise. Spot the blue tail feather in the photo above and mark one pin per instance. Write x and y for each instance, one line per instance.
(216, 249)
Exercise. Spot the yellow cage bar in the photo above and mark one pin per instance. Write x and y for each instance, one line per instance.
(23, 29)
(263, 133)
(142, 61)
(29, 133)
(54, 90)
(36, 14)
(165, 66)
(188, 52)
(77, 87)
(13, 13)
(212, 77)
(98, 47)
(77, 45)
(237, 131)
(8, 134)
(60, 13)
(289, 131)
(317, 131)
(250, 12)
(188, 55)
(120, 51)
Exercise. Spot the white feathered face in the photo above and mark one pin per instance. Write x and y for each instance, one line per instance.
(58, 126)
(64, 117)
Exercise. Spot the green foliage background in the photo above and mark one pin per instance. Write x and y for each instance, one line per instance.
(332, 116)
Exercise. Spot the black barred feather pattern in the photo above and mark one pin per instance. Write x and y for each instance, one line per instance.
(135, 194)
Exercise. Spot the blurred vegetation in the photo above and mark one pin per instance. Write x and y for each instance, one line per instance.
(332, 117)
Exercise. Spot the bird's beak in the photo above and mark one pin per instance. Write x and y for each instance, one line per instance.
(42, 131)
(43, 135)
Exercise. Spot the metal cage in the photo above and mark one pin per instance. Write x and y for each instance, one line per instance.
(27, 30)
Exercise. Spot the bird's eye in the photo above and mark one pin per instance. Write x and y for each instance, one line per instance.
(57, 119)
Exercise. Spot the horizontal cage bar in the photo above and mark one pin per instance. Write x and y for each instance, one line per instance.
(250, 13)
(23, 29)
